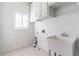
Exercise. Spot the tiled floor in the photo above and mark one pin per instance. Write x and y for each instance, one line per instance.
(27, 51)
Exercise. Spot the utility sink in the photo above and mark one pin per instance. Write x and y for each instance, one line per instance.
(68, 40)
(62, 45)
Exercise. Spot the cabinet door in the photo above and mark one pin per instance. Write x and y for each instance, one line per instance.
(38, 10)
(33, 12)
(44, 9)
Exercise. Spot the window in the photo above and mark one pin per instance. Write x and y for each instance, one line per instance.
(21, 20)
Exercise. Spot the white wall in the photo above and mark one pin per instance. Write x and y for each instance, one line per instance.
(68, 23)
(12, 38)
(65, 10)
(0, 29)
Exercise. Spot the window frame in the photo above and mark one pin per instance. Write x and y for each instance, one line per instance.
(21, 13)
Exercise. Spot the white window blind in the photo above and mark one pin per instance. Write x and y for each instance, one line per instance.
(21, 20)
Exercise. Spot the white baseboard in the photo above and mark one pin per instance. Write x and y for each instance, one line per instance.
(11, 50)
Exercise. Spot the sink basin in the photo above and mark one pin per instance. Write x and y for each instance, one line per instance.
(68, 40)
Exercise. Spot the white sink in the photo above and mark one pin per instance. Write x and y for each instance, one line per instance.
(61, 45)
(68, 40)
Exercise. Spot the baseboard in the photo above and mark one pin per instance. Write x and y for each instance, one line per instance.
(3, 52)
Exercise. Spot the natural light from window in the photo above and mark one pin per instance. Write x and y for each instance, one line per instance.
(21, 20)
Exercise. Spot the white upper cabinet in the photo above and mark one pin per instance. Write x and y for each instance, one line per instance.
(33, 13)
(44, 10)
(40, 11)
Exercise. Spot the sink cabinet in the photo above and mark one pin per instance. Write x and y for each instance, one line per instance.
(61, 45)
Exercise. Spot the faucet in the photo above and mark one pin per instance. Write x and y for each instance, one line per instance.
(64, 34)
